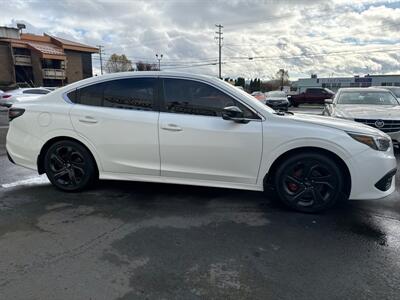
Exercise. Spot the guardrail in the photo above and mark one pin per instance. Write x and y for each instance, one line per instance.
(22, 60)
(53, 74)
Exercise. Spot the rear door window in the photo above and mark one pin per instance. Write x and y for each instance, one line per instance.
(127, 93)
(132, 93)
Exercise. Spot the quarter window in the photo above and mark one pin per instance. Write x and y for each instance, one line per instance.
(196, 98)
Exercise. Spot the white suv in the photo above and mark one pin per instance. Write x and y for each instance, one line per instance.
(196, 130)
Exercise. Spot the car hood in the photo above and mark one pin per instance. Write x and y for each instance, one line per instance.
(350, 111)
(341, 124)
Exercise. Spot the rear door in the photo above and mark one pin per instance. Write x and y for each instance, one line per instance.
(120, 117)
(196, 143)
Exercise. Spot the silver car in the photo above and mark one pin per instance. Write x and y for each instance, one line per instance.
(376, 107)
(394, 89)
(10, 97)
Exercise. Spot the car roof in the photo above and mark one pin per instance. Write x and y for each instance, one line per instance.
(362, 89)
(390, 87)
(120, 75)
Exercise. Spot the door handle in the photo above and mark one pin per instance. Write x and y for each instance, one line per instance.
(88, 119)
(171, 127)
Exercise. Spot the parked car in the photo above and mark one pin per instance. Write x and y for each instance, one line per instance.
(191, 129)
(277, 100)
(394, 89)
(10, 97)
(376, 107)
(312, 96)
(259, 96)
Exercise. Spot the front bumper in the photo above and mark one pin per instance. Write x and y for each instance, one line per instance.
(369, 168)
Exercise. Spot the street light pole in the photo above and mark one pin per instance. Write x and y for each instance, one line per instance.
(159, 58)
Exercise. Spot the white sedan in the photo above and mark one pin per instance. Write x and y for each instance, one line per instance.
(8, 98)
(197, 130)
(376, 107)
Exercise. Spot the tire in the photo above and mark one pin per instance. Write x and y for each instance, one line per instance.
(295, 104)
(309, 182)
(69, 166)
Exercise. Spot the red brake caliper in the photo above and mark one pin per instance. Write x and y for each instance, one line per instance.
(293, 187)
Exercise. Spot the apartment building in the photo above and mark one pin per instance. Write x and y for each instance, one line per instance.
(35, 60)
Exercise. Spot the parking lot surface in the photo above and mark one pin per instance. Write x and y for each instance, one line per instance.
(128, 240)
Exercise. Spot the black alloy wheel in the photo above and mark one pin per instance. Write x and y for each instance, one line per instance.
(69, 166)
(309, 182)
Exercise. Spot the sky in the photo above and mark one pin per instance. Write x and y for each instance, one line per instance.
(323, 37)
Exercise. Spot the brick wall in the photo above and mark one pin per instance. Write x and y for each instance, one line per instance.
(74, 68)
(37, 69)
(7, 76)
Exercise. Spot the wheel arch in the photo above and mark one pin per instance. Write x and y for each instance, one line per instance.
(343, 166)
(46, 146)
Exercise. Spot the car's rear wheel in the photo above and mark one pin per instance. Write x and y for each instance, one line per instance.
(69, 166)
(309, 182)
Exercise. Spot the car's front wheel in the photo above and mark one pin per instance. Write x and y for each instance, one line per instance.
(309, 182)
(69, 166)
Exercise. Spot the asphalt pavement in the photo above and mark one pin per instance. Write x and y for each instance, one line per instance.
(3, 116)
(129, 240)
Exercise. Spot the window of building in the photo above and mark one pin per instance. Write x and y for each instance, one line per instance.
(130, 93)
(196, 98)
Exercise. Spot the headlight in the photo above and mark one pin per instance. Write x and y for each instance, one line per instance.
(380, 143)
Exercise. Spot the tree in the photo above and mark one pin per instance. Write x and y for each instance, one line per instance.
(283, 76)
(240, 82)
(141, 66)
(118, 63)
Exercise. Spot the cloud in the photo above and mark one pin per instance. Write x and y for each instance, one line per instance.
(356, 37)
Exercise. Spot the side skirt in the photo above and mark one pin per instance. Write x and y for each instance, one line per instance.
(184, 181)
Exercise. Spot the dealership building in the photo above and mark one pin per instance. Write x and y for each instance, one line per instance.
(335, 83)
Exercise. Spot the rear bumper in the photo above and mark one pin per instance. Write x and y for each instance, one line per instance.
(22, 148)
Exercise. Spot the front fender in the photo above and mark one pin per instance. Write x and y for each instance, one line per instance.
(269, 158)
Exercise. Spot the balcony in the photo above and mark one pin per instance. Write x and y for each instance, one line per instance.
(22, 60)
(53, 74)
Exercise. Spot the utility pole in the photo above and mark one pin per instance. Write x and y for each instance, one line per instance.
(101, 58)
(159, 58)
(219, 38)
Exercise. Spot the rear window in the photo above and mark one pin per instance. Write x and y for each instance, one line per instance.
(36, 92)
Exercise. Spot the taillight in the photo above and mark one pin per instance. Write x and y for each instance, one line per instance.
(5, 96)
(15, 113)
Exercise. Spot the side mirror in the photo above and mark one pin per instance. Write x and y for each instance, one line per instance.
(233, 113)
(328, 101)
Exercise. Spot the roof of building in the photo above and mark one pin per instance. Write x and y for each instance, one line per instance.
(49, 46)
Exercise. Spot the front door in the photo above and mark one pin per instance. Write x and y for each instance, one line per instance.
(196, 143)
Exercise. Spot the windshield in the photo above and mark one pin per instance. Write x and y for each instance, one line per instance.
(276, 94)
(394, 90)
(367, 97)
